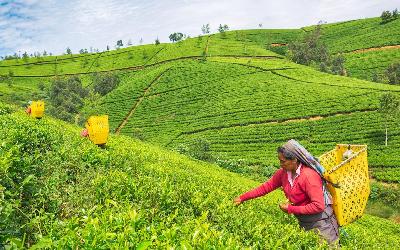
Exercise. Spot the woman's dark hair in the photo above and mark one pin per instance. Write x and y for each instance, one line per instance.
(286, 153)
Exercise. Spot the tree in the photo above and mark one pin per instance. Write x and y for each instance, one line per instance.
(338, 65)
(141, 41)
(105, 83)
(119, 44)
(395, 14)
(386, 16)
(69, 52)
(44, 53)
(66, 96)
(260, 25)
(393, 73)
(389, 108)
(223, 28)
(129, 42)
(25, 56)
(108, 48)
(205, 28)
(157, 42)
(176, 37)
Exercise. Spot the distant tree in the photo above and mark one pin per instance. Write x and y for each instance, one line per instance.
(141, 41)
(129, 42)
(310, 49)
(157, 42)
(119, 44)
(223, 28)
(393, 73)
(338, 65)
(25, 56)
(108, 48)
(389, 108)
(395, 14)
(260, 25)
(176, 37)
(103, 83)
(83, 51)
(66, 96)
(44, 53)
(386, 16)
(205, 28)
(69, 52)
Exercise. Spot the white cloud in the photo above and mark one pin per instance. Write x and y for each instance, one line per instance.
(51, 25)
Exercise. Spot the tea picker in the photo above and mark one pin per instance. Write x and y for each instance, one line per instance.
(35, 109)
(97, 130)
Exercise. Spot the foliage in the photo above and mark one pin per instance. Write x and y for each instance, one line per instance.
(198, 149)
(133, 195)
(205, 29)
(103, 83)
(393, 73)
(66, 96)
(175, 37)
(385, 194)
(388, 16)
(389, 109)
(223, 28)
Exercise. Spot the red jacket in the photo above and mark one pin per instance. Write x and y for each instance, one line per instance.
(306, 195)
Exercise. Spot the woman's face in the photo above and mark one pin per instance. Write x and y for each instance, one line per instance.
(288, 165)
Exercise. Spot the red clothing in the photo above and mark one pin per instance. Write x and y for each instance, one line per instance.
(306, 195)
(84, 132)
(28, 110)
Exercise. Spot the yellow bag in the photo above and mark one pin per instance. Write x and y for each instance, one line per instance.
(37, 109)
(351, 174)
(98, 129)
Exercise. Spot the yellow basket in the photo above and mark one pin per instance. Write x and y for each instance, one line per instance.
(37, 109)
(98, 129)
(350, 199)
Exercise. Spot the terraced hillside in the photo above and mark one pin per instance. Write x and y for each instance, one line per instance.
(246, 108)
(229, 90)
(60, 191)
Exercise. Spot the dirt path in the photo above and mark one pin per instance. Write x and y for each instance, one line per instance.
(138, 102)
(376, 48)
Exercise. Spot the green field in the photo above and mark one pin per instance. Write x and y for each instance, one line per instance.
(60, 191)
(230, 90)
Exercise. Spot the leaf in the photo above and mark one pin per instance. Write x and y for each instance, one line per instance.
(143, 245)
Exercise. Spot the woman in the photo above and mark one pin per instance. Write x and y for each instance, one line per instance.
(301, 181)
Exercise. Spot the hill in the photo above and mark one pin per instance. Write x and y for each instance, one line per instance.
(228, 90)
(60, 191)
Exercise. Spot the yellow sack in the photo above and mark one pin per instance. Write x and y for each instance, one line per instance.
(98, 129)
(37, 109)
(347, 165)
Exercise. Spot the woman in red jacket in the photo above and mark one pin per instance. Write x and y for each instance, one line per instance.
(302, 184)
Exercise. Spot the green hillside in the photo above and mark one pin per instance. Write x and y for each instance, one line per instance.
(229, 90)
(246, 108)
(60, 191)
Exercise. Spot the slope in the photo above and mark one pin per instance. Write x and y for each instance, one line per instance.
(60, 191)
(246, 108)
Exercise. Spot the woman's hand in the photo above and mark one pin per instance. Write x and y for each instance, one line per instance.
(284, 207)
(237, 201)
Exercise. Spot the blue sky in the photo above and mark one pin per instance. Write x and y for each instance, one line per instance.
(37, 25)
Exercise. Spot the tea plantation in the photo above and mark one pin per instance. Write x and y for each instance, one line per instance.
(58, 190)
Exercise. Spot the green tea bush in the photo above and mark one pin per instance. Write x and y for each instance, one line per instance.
(73, 194)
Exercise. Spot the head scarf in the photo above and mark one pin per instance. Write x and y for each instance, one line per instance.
(308, 159)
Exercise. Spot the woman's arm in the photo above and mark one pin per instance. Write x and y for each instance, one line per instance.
(265, 188)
